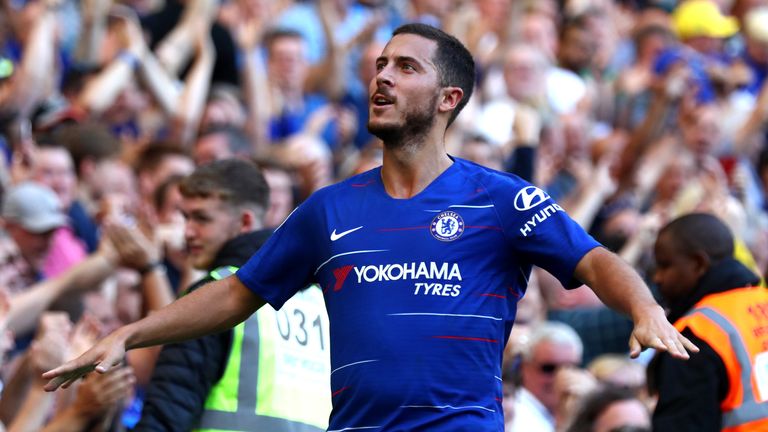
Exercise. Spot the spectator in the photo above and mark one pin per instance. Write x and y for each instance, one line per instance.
(510, 378)
(611, 409)
(288, 71)
(432, 12)
(619, 371)
(756, 49)
(358, 101)
(701, 25)
(233, 193)
(477, 149)
(95, 153)
(31, 214)
(567, 83)
(551, 346)
(634, 83)
(306, 18)
(53, 167)
(539, 30)
(221, 142)
(157, 163)
(524, 70)
(169, 232)
(281, 195)
(710, 296)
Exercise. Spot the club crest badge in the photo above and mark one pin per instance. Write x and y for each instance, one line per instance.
(447, 226)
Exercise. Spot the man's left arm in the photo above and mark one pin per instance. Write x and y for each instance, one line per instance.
(621, 288)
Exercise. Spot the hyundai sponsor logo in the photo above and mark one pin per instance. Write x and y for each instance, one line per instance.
(529, 197)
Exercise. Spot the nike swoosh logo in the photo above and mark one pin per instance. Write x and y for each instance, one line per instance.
(335, 236)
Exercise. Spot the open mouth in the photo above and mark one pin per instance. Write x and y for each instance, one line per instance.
(380, 100)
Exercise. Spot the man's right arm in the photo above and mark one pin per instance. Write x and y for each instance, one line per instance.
(221, 305)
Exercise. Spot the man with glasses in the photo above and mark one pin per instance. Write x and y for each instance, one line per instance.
(552, 346)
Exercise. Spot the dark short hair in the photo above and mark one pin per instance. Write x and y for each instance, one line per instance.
(455, 65)
(646, 32)
(595, 403)
(237, 140)
(160, 195)
(578, 23)
(700, 232)
(235, 181)
(89, 141)
(279, 33)
(155, 153)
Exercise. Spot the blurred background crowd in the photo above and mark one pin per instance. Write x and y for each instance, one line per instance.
(628, 113)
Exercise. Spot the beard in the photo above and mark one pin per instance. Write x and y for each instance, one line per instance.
(416, 125)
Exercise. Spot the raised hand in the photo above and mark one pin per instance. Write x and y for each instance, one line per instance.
(527, 125)
(85, 333)
(571, 386)
(51, 344)
(101, 392)
(135, 250)
(130, 30)
(248, 34)
(95, 9)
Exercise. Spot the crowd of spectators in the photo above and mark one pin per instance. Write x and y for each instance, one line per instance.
(628, 113)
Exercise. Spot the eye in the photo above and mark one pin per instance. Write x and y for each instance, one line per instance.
(379, 66)
(408, 67)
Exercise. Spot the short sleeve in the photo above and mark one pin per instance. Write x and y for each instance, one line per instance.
(286, 262)
(542, 234)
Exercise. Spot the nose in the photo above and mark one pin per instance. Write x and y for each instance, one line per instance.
(384, 78)
(189, 231)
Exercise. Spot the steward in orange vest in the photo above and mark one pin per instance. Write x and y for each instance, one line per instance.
(715, 302)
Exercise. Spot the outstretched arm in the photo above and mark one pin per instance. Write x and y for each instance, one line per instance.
(28, 83)
(94, 13)
(192, 99)
(27, 306)
(221, 305)
(621, 288)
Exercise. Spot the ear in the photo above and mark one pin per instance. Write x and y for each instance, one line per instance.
(701, 263)
(449, 99)
(247, 221)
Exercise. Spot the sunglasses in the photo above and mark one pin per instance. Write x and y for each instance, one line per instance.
(551, 368)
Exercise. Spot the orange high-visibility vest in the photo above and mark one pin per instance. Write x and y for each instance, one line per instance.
(735, 324)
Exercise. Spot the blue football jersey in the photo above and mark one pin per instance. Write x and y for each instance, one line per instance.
(421, 293)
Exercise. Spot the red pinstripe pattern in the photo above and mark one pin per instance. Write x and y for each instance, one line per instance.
(339, 391)
(493, 295)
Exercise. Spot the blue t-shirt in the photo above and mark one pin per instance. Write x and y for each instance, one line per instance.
(421, 292)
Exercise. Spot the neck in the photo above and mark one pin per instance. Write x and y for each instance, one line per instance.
(410, 166)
